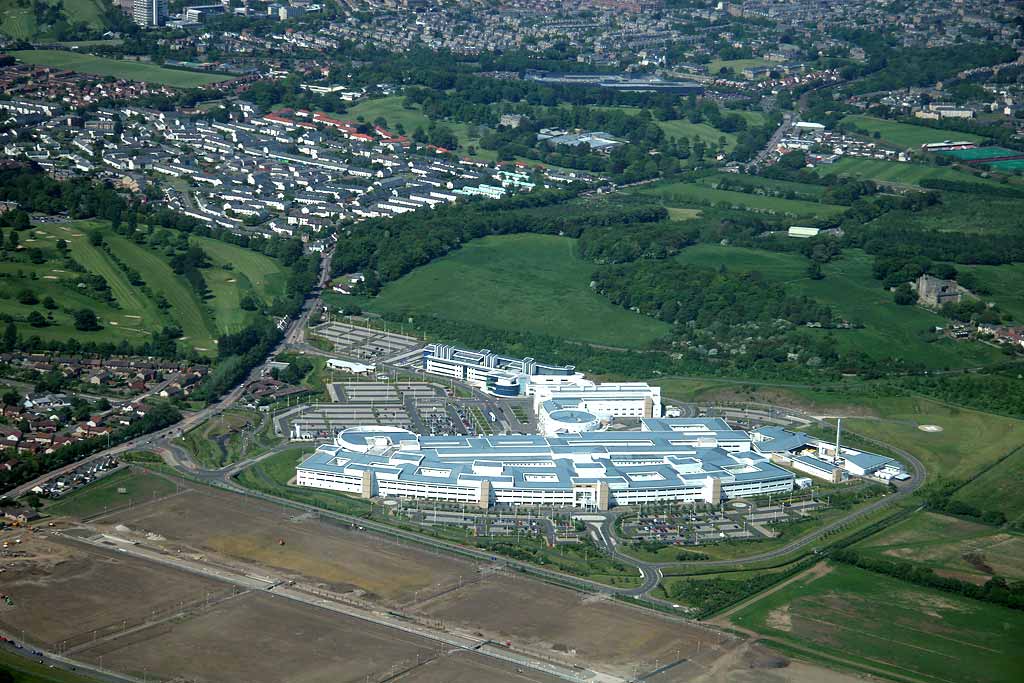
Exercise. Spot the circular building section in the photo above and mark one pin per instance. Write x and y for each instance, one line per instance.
(570, 421)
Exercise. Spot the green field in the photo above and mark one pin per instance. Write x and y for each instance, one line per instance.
(517, 282)
(134, 314)
(26, 670)
(867, 620)
(736, 65)
(897, 172)
(969, 439)
(20, 22)
(104, 495)
(951, 547)
(128, 70)
(889, 330)
(392, 110)
(905, 134)
(689, 194)
(988, 152)
(999, 488)
(680, 128)
(1005, 283)
(801, 190)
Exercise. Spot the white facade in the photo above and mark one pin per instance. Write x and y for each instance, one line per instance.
(148, 13)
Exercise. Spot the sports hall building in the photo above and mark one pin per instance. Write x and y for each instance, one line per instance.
(676, 459)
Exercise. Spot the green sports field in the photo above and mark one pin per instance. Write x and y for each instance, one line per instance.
(736, 65)
(693, 194)
(905, 134)
(844, 615)
(889, 330)
(518, 282)
(991, 152)
(128, 70)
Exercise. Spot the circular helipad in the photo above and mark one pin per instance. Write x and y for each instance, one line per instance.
(929, 428)
(740, 506)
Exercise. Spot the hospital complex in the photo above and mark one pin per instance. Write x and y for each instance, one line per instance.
(575, 460)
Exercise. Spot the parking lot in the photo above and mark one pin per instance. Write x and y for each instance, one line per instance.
(364, 343)
(739, 520)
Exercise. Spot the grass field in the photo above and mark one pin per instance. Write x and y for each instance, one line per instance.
(1005, 283)
(905, 134)
(736, 65)
(134, 314)
(20, 22)
(680, 128)
(527, 281)
(999, 489)
(889, 330)
(952, 547)
(103, 495)
(875, 621)
(684, 194)
(969, 439)
(101, 66)
(25, 670)
(897, 172)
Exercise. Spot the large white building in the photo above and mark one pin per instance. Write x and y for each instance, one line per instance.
(822, 459)
(493, 373)
(603, 402)
(670, 460)
(149, 13)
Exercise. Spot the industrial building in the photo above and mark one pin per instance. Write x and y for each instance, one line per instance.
(820, 458)
(678, 460)
(493, 373)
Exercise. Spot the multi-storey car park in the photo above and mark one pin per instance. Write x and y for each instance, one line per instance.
(678, 459)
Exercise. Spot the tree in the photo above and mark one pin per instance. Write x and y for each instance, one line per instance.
(905, 296)
(27, 297)
(85, 320)
(10, 397)
(49, 304)
(36, 319)
(10, 338)
(814, 271)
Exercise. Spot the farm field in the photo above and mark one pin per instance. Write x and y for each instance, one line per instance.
(999, 489)
(64, 590)
(889, 330)
(844, 614)
(898, 172)
(550, 285)
(688, 194)
(951, 546)
(128, 70)
(140, 486)
(563, 624)
(905, 134)
(243, 530)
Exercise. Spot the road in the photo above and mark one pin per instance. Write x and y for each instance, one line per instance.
(788, 118)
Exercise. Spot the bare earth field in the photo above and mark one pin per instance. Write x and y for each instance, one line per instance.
(63, 591)
(235, 529)
(565, 625)
(260, 638)
(466, 667)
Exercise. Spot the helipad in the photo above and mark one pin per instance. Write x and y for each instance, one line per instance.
(929, 428)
